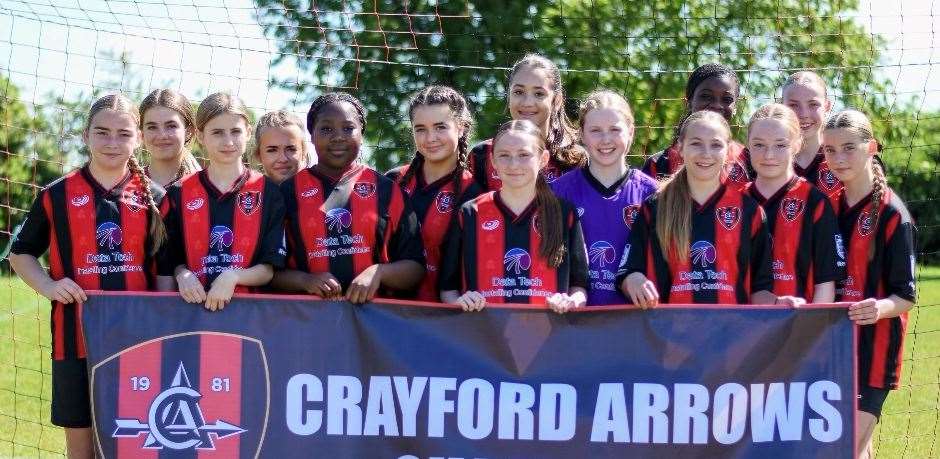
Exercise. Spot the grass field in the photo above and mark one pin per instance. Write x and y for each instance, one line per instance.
(909, 428)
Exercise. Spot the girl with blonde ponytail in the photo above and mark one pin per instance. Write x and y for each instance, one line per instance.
(878, 233)
(699, 240)
(520, 244)
(103, 225)
(168, 125)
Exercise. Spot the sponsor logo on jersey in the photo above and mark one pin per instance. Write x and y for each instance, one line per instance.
(338, 219)
(864, 223)
(310, 193)
(840, 248)
(602, 253)
(626, 254)
(221, 237)
(517, 260)
(249, 202)
(444, 201)
(79, 201)
(703, 253)
(791, 208)
(109, 235)
(629, 215)
(728, 216)
(490, 225)
(580, 212)
(195, 204)
(364, 189)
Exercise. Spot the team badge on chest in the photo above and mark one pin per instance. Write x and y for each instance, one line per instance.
(364, 189)
(864, 223)
(791, 208)
(629, 215)
(249, 202)
(134, 201)
(444, 201)
(827, 180)
(737, 173)
(728, 216)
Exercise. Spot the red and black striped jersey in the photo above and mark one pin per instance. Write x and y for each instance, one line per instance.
(343, 226)
(481, 163)
(729, 253)
(665, 163)
(818, 173)
(435, 206)
(97, 237)
(211, 231)
(889, 270)
(805, 240)
(491, 250)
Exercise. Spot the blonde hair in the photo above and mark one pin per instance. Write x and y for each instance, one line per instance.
(282, 119)
(177, 102)
(218, 104)
(674, 207)
(121, 104)
(605, 98)
(805, 78)
(857, 123)
(781, 113)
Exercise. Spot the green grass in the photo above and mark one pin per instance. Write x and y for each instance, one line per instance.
(909, 428)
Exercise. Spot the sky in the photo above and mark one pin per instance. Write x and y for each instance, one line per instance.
(59, 47)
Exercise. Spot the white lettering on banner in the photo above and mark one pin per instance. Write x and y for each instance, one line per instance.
(478, 409)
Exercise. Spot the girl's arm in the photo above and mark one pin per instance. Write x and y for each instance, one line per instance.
(398, 275)
(324, 285)
(64, 290)
(824, 292)
(223, 287)
(631, 275)
(165, 284)
(871, 310)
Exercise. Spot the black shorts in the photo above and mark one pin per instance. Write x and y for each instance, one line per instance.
(871, 399)
(71, 407)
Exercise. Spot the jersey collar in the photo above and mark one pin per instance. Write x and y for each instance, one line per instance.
(817, 160)
(351, 170)
(778, 195)
(605, 191)
(710, 202)
(509, 214)
(217, 194)
(99, 188)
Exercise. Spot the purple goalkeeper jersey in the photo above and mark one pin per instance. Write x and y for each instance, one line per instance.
(607, 213)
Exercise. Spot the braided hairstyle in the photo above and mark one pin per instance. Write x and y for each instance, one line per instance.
(177, 102)
(856, 122)
(700, 75)
(334, 97)
(460, 111)
(548, 208)
(561, 140)
(121, 104)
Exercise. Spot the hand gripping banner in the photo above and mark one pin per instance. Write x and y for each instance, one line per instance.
(287, 376)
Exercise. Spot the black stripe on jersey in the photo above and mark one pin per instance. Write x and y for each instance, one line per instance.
(339, 194)
(744, 257)
(515, 237)
(105, 209)
(892, 354)
(299, 252)
(470, 246)
(704, 222)
(383, 199)
(60, 219)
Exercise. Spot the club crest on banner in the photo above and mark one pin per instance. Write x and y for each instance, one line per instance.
(364, 189)
(249, 202)
(728, 216)
(172, 406)
(791, 208)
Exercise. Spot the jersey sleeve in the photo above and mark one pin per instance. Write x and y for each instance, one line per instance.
(478, 165)
(173, 251)
(900, 261)
(828, 264)
(406, 242)
(635, 253)
(578, 253)
(33, 235)
(649, 166)
(271, 248)
(761, 254)
(451, 266)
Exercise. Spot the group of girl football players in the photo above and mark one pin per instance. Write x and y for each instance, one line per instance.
(547, 212)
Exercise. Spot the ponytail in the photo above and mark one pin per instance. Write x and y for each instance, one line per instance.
(155, 228)
(549, 223)
(674, 215)
(879, 187)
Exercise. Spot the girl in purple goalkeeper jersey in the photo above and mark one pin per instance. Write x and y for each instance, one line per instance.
(607, 192)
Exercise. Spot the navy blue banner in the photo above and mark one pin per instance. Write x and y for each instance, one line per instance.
(292, 377)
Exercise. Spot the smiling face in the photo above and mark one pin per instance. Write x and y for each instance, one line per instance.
(164, 133)
(281, 151)
(849, 157)
(606, 136)
(531, 97)
(718, 94)
(772, 146)
(225, 137)
(111, 137)
(436, 133)
(337, 137)
(809, 103)
(704, 149)
(518, 158)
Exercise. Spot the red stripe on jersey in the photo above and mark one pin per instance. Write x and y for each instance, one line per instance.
(856, 268)
(83, 231)
(220, 383)
(246, 224)
(134, 224)
(309, 194)
(491, 245)
(728, 242)
(789, 222)
(195, 222)
(133, 400)
(883, 328)
(364, 207)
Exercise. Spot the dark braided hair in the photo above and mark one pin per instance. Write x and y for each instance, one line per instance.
(561, 140)
(334, 97)
(444, 95)
(698, 76)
